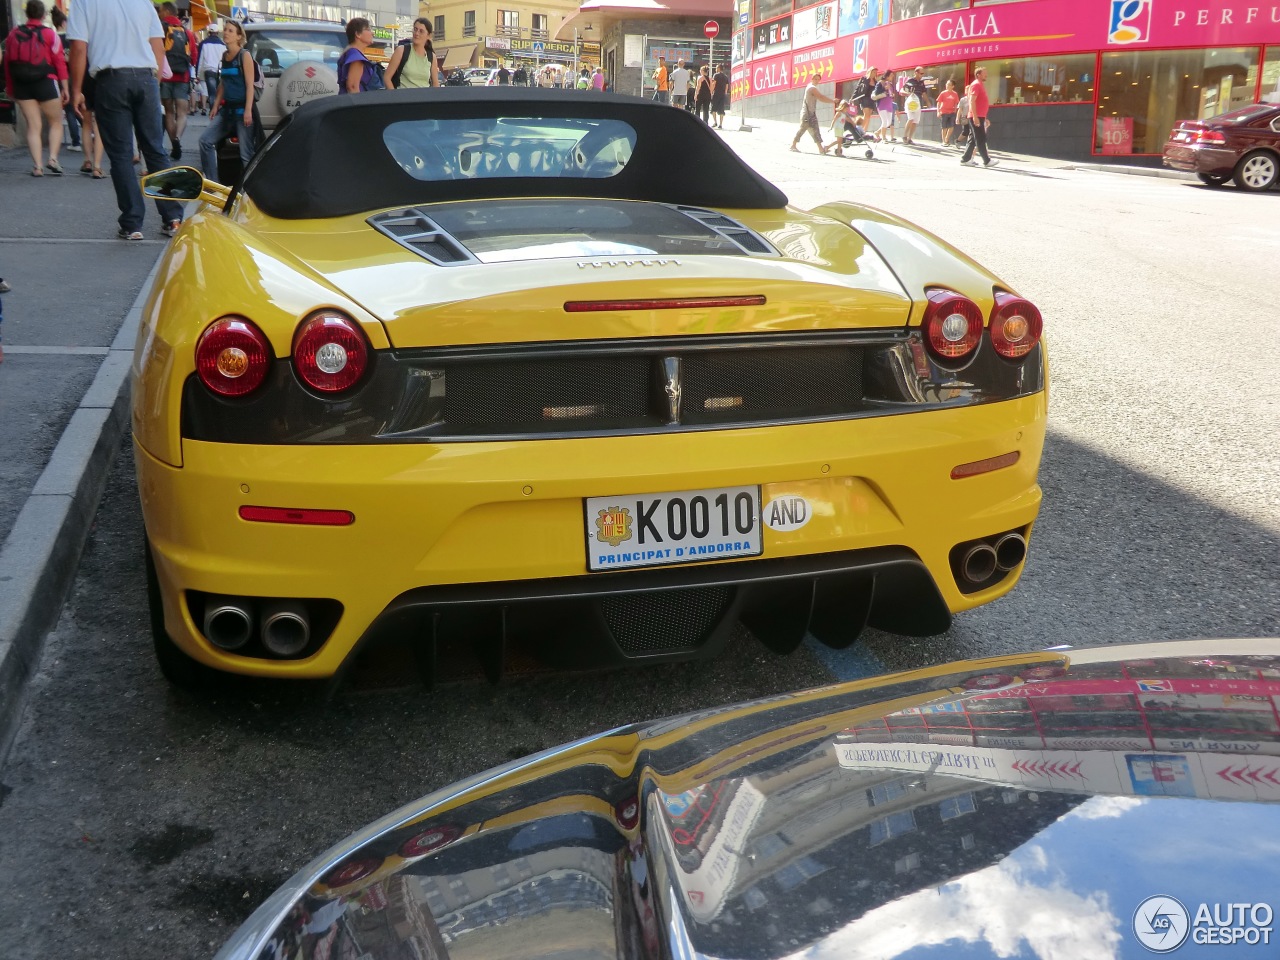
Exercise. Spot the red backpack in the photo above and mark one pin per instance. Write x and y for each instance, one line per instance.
(29, 56)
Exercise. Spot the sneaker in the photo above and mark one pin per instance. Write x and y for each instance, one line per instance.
(124, 234)
(75, 148)
(4, 287)
(992, 163)
(968, 163)
(170, 228)
(176, 152)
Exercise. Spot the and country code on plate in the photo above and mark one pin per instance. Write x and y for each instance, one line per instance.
(648, 529)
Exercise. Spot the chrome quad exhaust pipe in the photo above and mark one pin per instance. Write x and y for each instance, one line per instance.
(1011, 550)
(286, 627)
(978, 563)
(228, 622)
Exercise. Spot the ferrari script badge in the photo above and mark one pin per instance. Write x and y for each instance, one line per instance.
(613, 526)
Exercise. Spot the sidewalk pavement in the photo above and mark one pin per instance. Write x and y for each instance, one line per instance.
(69, 326)
(781, 132)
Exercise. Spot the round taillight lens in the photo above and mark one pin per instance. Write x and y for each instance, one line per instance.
(952, 325)
(232, 357)
(1015, 326)
(330, 352)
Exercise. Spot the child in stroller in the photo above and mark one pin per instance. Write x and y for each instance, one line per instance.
(851, 135)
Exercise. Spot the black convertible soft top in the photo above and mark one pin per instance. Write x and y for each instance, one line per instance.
(329, 158)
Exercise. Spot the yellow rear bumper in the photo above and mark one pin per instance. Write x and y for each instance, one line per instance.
(432, 514)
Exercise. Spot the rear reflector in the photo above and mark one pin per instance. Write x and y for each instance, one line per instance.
(318, 518)
(672, 303)
(984, 466)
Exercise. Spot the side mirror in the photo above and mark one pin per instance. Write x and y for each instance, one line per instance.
(184, 183)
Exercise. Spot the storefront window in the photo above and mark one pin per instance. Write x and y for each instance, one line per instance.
(1141, 95)
(768, 9)
(906, 9)
(1040, 79)
(1271, 76)
(936, 77)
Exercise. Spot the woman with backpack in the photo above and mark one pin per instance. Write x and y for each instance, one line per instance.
(413, 65)
(356, 72)
(35, 77)
(232, 110)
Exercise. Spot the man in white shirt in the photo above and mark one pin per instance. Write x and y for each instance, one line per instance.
(120, 44)
(680, 77)
(210, 67)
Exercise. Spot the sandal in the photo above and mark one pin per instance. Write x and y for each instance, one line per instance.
(98, 174)
(86, 168)
(54, 167)
(37, 172)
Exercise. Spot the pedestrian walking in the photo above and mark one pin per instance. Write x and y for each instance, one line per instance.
(679, 85)
(175, 91)
(504, 76)
(886, 107)
(662, 82)
(232, 110)
(702, 94)
(917, 98)
(597, 80)
(413, 65)
(119, 45)
(209, 64)
(962, 120)
(948, 102)
(862, 98)
(809, 117)
(719, 96)
(978, 122)
(356, 72)
(35, 77)
(70, 122)
(521, 77)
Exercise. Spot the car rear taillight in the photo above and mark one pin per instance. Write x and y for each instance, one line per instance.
(330, 352)
(1015, 326)
(1208, 136)
(952, 325)
(232, 357)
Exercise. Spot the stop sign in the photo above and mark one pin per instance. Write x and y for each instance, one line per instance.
(711, 28)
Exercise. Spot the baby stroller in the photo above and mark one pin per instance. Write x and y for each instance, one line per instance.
(852, 137)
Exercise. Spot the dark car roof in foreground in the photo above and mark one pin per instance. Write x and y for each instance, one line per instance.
(328, 158)
(1017, 807)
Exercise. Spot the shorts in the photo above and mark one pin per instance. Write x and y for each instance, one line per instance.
(948, 120)
(175, 90)
(677, 99)
(41, 91)
(913, 116)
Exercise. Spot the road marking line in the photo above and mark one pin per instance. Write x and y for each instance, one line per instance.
(64, 351)
(852, 663)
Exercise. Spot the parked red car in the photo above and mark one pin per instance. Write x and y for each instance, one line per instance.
(1243, 145)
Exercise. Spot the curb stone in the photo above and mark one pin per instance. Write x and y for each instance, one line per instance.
(39, 558)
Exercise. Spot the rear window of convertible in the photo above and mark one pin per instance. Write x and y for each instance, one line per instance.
(494, 147)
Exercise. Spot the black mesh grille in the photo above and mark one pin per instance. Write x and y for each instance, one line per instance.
(599, 390)
(549, 395)
(665, 621)
(738, 385)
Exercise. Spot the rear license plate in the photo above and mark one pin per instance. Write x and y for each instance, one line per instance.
(648, 529)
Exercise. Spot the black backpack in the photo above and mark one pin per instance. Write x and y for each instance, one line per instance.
(862, 91)
(176, 49)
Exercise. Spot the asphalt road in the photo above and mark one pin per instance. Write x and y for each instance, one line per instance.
(138, 822)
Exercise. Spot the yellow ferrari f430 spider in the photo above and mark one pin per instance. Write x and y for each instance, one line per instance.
(473, 366)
